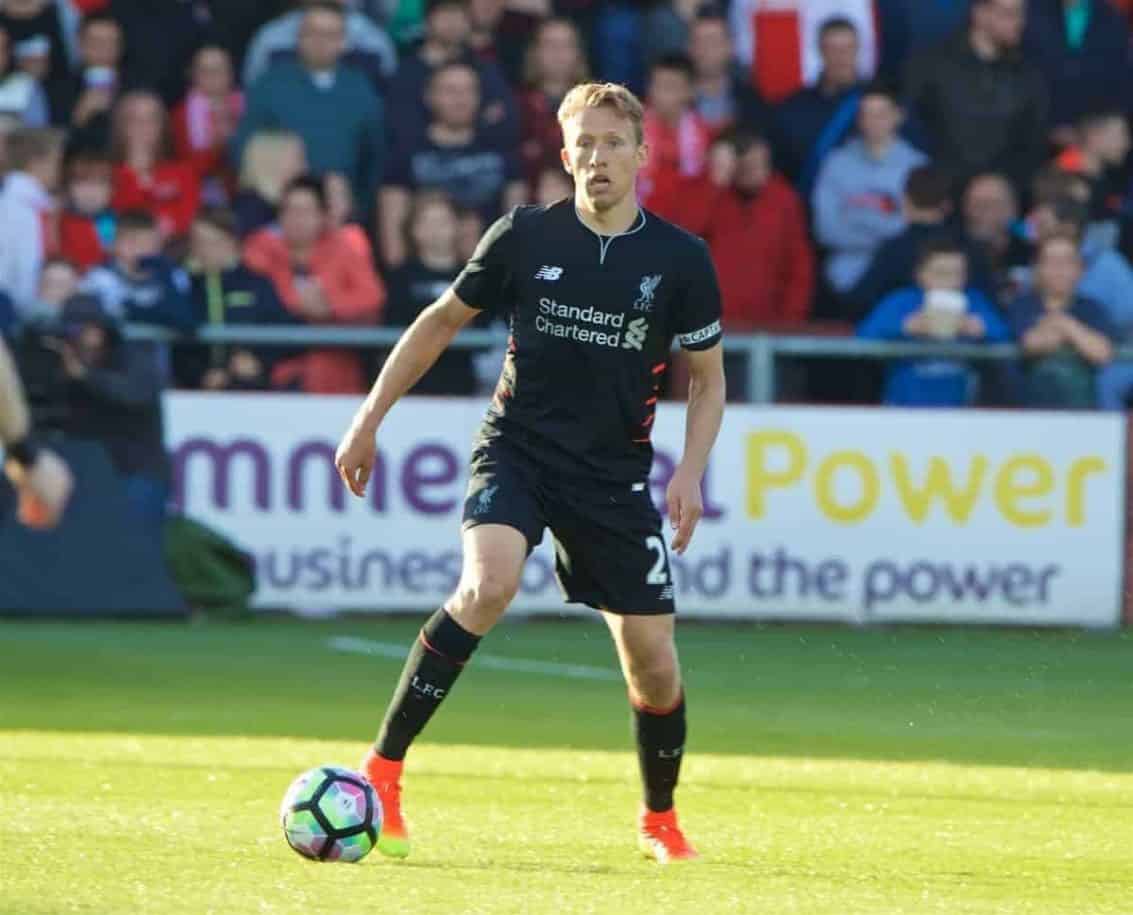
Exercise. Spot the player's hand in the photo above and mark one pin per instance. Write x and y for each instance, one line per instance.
(685, 506)
(355, 459)
(43, 489)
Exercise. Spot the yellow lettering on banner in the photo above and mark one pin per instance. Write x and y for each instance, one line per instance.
(938, 485)
(1076, 488)
(760, 477)
(1037, 481)
(824, 487)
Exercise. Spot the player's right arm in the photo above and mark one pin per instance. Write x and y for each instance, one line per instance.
(482, 284)
(40, 478)
(416, 351)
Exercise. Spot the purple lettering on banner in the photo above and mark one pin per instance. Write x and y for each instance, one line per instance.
(266, 568)
(757, 564)
(413, 566)
(830, 579)
(319, 562)
(922, 582)
(1018, 580)
(714, 574)
(378, 483)
(882, 582)
(221, 458)
(381, 559)
(336, 491)
(345, 558)
(787, 566)
(415, 479)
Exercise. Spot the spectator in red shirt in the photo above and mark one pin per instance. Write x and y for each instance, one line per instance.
(87, 223)
(555, 63)
(206, 120)
(675, 134)
(320, 279)
(756, 229)
(146, 177)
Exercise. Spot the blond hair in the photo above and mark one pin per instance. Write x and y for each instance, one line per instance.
(603, 95)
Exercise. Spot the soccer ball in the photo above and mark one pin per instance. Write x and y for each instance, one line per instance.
(331, 814)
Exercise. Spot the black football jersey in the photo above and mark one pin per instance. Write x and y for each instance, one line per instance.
(592, 321)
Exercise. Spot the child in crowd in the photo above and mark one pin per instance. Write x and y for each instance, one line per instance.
(940, 307)
(1065, 336)
(87, 223)
(138, 283)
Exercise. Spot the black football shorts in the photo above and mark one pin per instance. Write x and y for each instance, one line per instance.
(609, 552)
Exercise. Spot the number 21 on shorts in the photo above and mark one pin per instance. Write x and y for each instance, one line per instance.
(658, 574)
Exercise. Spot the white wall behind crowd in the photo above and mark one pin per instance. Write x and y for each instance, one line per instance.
(817, 514)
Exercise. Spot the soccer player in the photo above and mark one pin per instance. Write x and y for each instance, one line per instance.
(595, 290)
(40, 478)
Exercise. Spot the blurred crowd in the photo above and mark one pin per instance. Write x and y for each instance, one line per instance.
(955, 170)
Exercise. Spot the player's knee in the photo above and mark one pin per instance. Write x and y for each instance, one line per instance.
(655, 679)
(488, 593)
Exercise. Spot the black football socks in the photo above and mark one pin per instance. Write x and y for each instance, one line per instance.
(660, 735)
(434, 663)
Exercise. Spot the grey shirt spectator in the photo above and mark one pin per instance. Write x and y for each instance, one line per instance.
(367, 47)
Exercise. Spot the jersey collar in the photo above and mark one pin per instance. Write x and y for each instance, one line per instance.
(604, 241)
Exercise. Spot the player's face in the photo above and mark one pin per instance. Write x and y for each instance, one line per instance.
(603, 155)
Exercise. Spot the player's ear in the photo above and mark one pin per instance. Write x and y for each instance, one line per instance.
(564, 157)
(642, 154)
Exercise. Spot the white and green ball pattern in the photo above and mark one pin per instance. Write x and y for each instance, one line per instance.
(331, 814)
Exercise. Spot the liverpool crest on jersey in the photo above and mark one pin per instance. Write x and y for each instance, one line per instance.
(648, 289)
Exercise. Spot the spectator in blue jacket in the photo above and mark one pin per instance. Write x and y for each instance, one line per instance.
(940, 307)
(138, 284)
(858, 194)
(329, 104)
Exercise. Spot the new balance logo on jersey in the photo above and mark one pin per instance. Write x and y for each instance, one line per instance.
(550, 274)
(635, 334)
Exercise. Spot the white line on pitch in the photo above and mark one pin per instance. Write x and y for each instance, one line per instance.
(351, 645)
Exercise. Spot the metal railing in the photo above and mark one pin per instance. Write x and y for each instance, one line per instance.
(761, 350)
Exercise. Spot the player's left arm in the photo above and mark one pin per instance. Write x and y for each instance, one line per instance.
(697, 327)
(702, 424)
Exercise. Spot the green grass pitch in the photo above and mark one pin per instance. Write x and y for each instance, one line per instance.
(830, 772)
